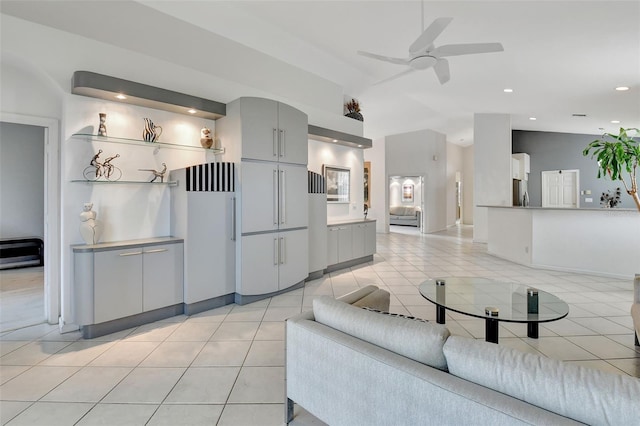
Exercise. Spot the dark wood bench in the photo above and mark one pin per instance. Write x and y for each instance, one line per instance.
(21, 252)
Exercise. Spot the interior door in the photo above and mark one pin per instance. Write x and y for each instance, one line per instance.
(560, 188)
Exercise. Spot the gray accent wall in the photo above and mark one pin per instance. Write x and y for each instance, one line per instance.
(563, 151)
(21, 180)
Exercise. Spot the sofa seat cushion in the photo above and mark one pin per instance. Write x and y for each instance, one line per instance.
(583, 394)
(417, 340)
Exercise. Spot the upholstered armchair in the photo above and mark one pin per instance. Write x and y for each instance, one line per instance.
(635, 308)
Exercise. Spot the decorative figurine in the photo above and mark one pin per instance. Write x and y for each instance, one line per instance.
(102, 129)
(150, 132)
(156, 173)
(110, 171)
(90, 228)
(205, 137)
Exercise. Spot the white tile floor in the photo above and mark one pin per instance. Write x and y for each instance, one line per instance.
(226, 366)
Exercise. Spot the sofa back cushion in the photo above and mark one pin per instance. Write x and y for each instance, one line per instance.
(402, 211)
(583, 394)
(418, 340)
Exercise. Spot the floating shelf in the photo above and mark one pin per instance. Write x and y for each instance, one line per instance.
(333, 136)
(124, 182)
(138, 142)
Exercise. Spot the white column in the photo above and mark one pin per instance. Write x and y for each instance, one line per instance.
(492, 168)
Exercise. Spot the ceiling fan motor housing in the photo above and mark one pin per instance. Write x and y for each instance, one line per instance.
(423, 62)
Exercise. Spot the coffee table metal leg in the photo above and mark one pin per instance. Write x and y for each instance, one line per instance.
(532, 330)
(440, 312)
(491, 330)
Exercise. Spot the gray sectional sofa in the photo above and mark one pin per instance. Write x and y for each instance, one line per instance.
(352, 366)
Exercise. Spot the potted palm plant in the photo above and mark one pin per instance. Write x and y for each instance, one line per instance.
(618, 156)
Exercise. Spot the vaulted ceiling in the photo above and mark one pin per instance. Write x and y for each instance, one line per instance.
(560, 58)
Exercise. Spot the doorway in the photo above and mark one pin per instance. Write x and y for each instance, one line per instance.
(406, 204)
(560, 188)
(21, 225)
(51, 195)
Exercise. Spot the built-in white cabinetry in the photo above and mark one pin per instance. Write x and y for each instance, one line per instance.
(203, 212)
(270, 146)
(271, 196)
(119, 283)
(277, 261)
(271, 130)
(350, 241)
(521, 166)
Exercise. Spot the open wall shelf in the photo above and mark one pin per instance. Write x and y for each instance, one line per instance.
(138, 142)
(124, 182)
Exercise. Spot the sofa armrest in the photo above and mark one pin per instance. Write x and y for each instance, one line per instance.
(636, 289)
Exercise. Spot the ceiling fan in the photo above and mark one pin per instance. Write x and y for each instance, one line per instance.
(423, 54)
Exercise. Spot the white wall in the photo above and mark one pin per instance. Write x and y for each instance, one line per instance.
(455, 167)
(492, 168)
(395, 191)
(412, 154)
(467, 185)
(321, 153)
(378, 192)
(21, 181)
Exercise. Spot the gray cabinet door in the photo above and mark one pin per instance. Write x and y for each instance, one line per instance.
(259, 183)
(293, 257)
(293, 200)
(162, 283)
(259, 119)
(259, 267)
(370, 238)
(332, 245)
(357, 240)
(293, 135)
(117, 284)
(345, 250)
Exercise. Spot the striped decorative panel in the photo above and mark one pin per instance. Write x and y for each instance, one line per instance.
(316, 183)
(211, 177)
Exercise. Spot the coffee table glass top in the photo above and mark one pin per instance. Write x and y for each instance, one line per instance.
(471, 296)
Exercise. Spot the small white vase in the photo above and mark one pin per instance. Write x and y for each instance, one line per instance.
(90, 228)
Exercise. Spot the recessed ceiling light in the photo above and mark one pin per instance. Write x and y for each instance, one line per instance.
(622, 88)
(192, 111)
(508, 90)
(121, 96)
(335, 140)
(615, 121)
(532, 118)
(359, 146)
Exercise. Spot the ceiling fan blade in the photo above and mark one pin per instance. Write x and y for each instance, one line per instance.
(429, 35)
(398, 61)
(393, 77)
(466, 49)
(441, 69)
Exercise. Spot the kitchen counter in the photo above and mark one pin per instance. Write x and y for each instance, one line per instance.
(596, 241)
(349, 222)
(562, 208)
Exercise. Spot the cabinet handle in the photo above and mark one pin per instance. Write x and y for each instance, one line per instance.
(233, 218)
(275, 195)
(156, 250)
(283, 198)
(283, 251)
(283, 142)
(275, 142)
(133, 253)
(275, 252)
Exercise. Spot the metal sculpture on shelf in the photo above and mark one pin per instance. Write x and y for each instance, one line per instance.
(102, 128)
(156, 173)
(151, 132)
(96, 169)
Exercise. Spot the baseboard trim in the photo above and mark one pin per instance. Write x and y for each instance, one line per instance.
(205, 305)
(96, 330)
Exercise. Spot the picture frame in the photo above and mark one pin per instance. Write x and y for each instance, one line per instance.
(338, 181)
(407, 193)
(367, 184)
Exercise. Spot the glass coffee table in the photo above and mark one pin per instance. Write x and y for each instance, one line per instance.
(493, 301)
